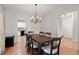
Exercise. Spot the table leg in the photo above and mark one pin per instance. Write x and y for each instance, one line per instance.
(39, 49)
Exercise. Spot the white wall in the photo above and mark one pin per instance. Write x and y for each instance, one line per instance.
(2, 39)
(49, 24)
(10, 23)
(67, 24)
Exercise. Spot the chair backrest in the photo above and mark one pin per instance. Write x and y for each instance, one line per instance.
(30, 32)
(48, 34)
(41, 33)
(28, 38)
(55, 44)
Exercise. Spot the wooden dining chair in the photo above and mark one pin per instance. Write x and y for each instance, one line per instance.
(30, 32)
(48, 34)
(41, 33)
(53, 47)
(30, 44)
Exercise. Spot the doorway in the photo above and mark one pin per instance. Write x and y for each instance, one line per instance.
(67, 24)
(21, 25)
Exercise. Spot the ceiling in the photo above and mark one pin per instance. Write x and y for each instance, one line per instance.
(43, 9)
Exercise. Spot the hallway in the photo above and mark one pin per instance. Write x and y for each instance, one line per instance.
(67, 47)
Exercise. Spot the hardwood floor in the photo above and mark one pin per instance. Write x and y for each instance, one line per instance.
(18, 49)
(67, 47)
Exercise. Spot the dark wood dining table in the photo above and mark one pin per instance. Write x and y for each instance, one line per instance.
(40, 39)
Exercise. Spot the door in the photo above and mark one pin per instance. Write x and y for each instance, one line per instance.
(21, 25)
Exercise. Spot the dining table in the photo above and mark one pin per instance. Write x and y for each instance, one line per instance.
(40, 39)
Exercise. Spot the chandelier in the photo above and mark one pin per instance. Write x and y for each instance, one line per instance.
(35, 19)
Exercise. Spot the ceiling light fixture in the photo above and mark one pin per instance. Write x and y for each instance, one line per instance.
(35, 19)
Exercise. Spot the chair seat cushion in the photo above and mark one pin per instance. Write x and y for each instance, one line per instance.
(47, 35)
(48, 48)
(35, 44)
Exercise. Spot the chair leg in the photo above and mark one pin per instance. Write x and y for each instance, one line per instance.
(32, 50)
(28, 48)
